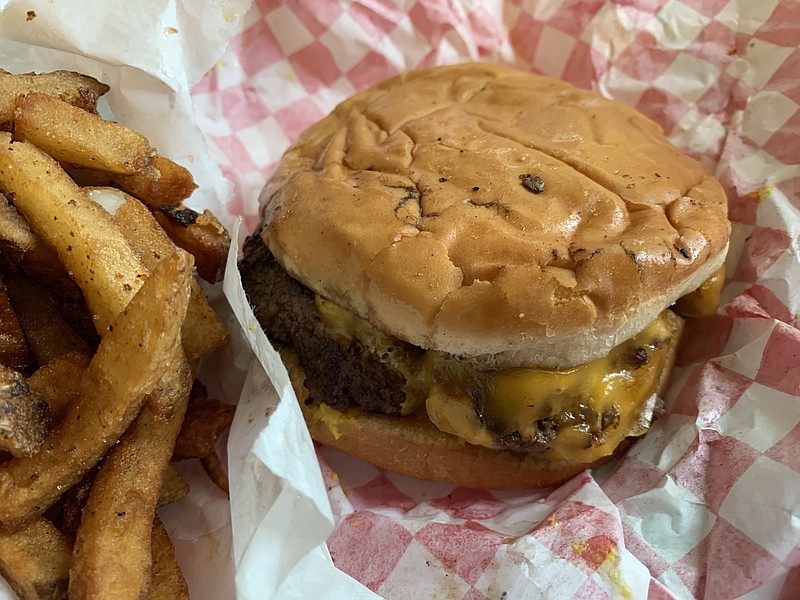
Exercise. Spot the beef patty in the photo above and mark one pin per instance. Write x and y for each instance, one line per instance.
(339, 371)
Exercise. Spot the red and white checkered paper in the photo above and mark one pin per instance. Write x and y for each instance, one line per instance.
(708, 504)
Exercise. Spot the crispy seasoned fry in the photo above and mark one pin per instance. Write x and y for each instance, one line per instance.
(83, 277)
(130, 361)
(85, 177)
(200, 234)
(161, 183)
(173, 487)
(59, 382)
(212, 464)
(88, 243)
(118, 516)
(166, 579)
(72, 503)
(19, 245)
(72, 135)
(205, 421)
(16, 237)
(202, 331)
(79, 90)
(35, 561)
(24, 416)
(13, 349)
(49, 335)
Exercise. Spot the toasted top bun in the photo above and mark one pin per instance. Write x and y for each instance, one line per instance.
(414, 206)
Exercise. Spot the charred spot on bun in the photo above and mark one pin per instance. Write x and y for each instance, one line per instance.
(472, 271)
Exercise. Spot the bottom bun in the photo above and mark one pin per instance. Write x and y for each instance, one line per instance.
(417, 448)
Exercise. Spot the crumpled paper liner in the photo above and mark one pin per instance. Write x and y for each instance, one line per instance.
(707, 504)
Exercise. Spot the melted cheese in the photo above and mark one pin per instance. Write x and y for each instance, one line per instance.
(487, 408)
(592, 407)
(703, 301)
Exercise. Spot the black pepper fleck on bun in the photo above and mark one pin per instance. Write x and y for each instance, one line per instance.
(469, 271)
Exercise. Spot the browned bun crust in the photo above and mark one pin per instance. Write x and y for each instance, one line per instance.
(417, 448)
(406, 207)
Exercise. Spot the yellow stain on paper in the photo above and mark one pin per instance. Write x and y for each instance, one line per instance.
(601, 553)
(762, 193)
(554, 520)
(579, 547)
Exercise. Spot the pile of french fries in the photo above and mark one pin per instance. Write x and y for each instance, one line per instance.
(102, 325)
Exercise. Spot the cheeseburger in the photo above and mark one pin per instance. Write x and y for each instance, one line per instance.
(475, 274)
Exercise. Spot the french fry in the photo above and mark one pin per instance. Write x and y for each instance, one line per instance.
(166, 579)
(75, 136)
(35, 561)
(24, 416)
(142, 344)
(49, 335)
(84, 236)
(86, 177)
(79, 90)
(72, 503)
(161, 183)
(200, 234)
(83, 277)
(87, 241)
(118, 516)
(20, 246)
(16, 237)
(59, 382)
(212, 465)
(13, 349)
(202, 331)
(173, 487)
(206, 419)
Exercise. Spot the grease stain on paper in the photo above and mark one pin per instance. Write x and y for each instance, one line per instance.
(601, 554)
(762, 193)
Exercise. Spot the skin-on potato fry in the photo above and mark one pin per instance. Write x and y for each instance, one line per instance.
(79, 90)
(16, 237)
(72, 503)
(87, 177)
(161, 183)
(88, 243)
(173, 487)
(13, 349)
(59, 382)
(24, 416)
(166, 579)
(49, 335)
(202, 331)
(200, 234)
(72, 135)
(35, 561)
(142, 344)
(20, 246)
(118, 516)
(205, 421)
(212, 465)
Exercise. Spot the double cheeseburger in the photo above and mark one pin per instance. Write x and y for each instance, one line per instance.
(473, 273)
